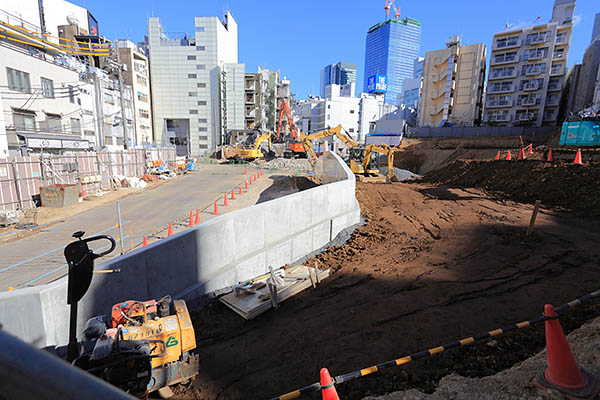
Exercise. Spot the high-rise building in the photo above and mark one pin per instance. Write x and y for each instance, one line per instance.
(197, 84)
(596, 30)
(527, 71)
(453, 81)
(137, 75)
(411, 87)
(342, 73)
(391, 48)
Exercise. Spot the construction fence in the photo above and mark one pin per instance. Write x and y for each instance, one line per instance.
(21, 178)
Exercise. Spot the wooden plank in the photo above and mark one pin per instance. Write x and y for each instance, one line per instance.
(533, 217)
(249, 306)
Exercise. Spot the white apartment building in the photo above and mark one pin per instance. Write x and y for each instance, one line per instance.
(355, 114)
(197, 84)
(527, 71)
(137, 75)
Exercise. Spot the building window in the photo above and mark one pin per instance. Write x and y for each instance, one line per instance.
(199, 29)
(561, 37)
(75, 126)
(71, 94)
(203, 146)
(202, 120)
(141, 80)
(202, 102)
(200, 48)
(192, 94)
(351, 111)
(193, 111)
(202, 137)
(201, 85)
(24, 121)
(200, 66)
(328, 116)
(328, 106)
(89, 133)
(18, 80)
(53, 123)
(202, 129)
(192, 76)
(142, 97)
(108, 98)
(351, 130)
(144, 114)
(191, 57)
(47, 88)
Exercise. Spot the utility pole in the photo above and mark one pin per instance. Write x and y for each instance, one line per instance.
(100, 111)
(123, 118)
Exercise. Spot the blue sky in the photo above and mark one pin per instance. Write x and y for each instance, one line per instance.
(300, 37)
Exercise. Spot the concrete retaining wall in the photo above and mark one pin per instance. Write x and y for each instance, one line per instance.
(198, 261)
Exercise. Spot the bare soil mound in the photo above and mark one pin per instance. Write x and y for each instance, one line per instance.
(432, 265)
(558, 185)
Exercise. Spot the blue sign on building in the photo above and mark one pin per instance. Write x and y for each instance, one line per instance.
(377, 84)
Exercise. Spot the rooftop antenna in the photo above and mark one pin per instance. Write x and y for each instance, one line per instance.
(388, 5)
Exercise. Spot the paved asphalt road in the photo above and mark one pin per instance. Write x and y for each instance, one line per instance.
(39, 258)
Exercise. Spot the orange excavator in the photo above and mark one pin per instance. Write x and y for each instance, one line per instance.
(295, 148)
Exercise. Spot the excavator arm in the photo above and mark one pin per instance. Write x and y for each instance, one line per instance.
(261, 139)
(285, 109)
(337, 131)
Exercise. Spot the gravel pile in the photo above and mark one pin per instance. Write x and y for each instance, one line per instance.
(287, 163)
(401, 174)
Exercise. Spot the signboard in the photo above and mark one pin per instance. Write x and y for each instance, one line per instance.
(44, 143)
(93, 23)
(377, 84)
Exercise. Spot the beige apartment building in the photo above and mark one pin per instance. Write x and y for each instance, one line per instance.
(137, 76)
(453, 80)
(527, 71)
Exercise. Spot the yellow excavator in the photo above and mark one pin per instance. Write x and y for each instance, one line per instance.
(246, 150)
(362, 160)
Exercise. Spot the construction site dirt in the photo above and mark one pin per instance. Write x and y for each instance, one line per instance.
(432, 264)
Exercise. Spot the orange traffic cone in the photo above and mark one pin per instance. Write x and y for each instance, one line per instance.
(245, 184)
(232, 194)
(521, 154)
(578, 157)
(82, 192)
(240, 191)
(145, 242)
(497, 156)
(508, 157)
(327, 386)
(261, 172)
(197, 221)
(191, 223)
(530, 148)
(216, 209)
(250, 181)
(245, 171)
(225, 203)
(550, 156)
(562, 373)
(170, 231)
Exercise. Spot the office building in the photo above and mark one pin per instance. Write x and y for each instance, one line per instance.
(137, 76)
(342, 73)
(527, 71)
(453, 80)
(391, 49)
(596, 29)
(411, 87)
(197, 84)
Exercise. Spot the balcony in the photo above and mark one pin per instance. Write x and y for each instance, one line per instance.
(557, 71)
(531, 86)
(554, 87)
(504, 60)
(533, 71)
(536, 40)
(503, 76)
(536, 56)
(562, 39)
(552, 102)
(509, 89)
(558, 56)
(507, 45)
(438, 93)
(549, 116)
(498, 117)
(439, 77)
(524, 117)
(498, 103)
(528, 101)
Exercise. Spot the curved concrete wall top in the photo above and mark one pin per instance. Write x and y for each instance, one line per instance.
(207, 258)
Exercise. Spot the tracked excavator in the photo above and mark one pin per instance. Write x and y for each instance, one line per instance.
(140, 346)
(249, 148)
(294, 147)
(362, 160)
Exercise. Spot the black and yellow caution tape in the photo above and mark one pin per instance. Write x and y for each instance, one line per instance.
(436, 350)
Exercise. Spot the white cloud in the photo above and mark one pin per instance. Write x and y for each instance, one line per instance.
(576, 20)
